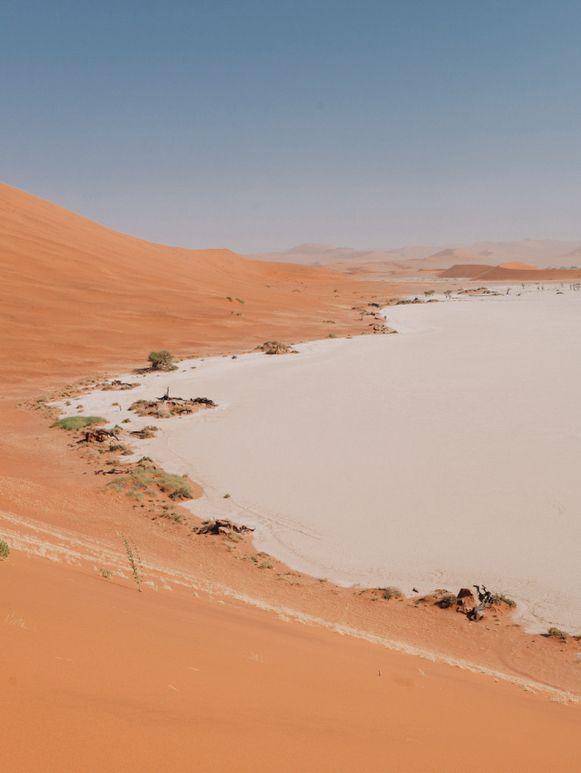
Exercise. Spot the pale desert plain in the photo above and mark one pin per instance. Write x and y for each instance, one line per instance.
(424, 458)
(442, 456)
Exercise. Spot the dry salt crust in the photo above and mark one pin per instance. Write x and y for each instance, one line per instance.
(447, 455)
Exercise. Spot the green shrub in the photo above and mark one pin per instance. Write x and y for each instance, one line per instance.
(162, 360)
(78, 422)
(4, 550)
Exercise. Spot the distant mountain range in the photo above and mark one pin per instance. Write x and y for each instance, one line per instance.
(537, 253)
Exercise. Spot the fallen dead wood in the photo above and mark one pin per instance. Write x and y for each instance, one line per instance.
(469, 603)
(222, 526)
(98, 436)
(146, 433)
(166, 406)
(276, 347)
(475, 605)
(380, 328)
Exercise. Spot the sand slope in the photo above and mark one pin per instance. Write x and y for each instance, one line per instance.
(150, 682)
(74, 293)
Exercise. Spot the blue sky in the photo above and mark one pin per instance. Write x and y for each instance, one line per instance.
(259, 125)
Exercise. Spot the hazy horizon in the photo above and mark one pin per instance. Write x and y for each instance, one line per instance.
(258, 127)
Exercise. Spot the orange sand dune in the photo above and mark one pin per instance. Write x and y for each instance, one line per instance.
(118, 680)
(448, 257)
(516, 265)
(465, 270)
(508, 273)
(519, 272)
(75, 295)
(98, 677)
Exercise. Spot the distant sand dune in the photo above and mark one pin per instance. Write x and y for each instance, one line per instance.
(510, 272)
(531, 253)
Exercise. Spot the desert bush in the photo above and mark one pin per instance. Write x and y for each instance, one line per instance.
(78, 422)
(162, 360)
(446, 600)
(557, 633)
(391, 593)
(4, 550)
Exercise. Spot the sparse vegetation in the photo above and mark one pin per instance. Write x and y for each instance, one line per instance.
(4, 550)
(391, 593)
(146, 433)
(557, 633)
(134, 561)
(162, 360)
(145, 477)
(500, 598)
(78, 422)
(105, 573)
(446, 601)
(167, 512)
(120, 449)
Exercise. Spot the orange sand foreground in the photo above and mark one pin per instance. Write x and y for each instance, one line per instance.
(99, 677)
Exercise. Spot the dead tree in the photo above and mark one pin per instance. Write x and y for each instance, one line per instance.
(98, 435)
